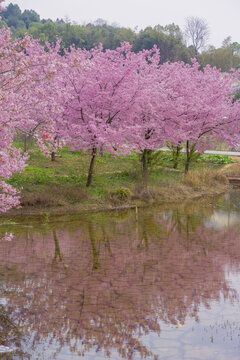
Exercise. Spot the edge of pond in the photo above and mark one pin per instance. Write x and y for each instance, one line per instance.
(50, 215)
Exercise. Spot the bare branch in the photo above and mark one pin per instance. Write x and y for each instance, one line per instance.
(197, 31)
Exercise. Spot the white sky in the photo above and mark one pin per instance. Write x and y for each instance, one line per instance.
(223, 16)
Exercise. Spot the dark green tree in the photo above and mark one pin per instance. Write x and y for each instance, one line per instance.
(12, 16)
(30, 16)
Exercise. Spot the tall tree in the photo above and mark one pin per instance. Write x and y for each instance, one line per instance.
(168, 39)
(26, 97)
(197, 31)
(29, 16)
(12, 15)
(105, 91)
(199, 107)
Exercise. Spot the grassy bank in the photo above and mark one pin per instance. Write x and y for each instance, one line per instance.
(59, 186)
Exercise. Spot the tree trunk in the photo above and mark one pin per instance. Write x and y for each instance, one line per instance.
(190, 151)
(144, 164)
(176, 153)
(188, 157)
(53, 157)
(90, 171)
(25, 143)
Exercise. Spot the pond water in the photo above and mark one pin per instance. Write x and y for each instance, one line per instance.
(164, 285)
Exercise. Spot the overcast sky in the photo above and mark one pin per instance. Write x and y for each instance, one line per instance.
(223, 16)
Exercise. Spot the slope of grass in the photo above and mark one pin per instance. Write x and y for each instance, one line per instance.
(46, 184)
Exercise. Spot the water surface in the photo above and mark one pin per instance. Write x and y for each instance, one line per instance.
(109, 286)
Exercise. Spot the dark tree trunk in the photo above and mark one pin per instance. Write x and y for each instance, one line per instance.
(53, 157)
(25, 143)
(175, 164)
(176, 154)
(190, 152)
(90, 171)
(187, 157)
(144, 163)
(53, 154)
(176, 151)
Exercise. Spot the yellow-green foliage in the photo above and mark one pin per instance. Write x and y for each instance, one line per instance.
(120, 194)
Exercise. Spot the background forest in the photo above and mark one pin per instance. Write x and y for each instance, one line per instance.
(169, 39)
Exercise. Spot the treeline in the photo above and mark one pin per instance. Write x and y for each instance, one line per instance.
(169, 39)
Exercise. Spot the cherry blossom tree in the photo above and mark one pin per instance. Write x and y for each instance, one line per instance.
(12, 65)
(199, 107)
(114, 100)
(10, 159)
(26, 99)
(105, 93)
(42, 102)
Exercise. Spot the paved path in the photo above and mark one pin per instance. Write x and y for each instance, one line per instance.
(211, 152)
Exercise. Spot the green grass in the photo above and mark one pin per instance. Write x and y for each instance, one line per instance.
(63, 181)
(44, 183)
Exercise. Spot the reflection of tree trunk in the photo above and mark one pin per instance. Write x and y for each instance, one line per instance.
(95, 253)
(176, 221)
(90, 171)
(106, 241)
(187, 227)
(137, 234)
(144, 234)
(179, 223)
(145, 237)
(82, 303)
(57, 253)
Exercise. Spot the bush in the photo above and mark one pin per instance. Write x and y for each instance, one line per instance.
(120, 194)
(166, 158)
(216, 159)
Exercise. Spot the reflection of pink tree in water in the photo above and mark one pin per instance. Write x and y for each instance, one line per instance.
(102, 292)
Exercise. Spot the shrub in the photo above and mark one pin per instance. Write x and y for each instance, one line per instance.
(216, 159)
(120, 194)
